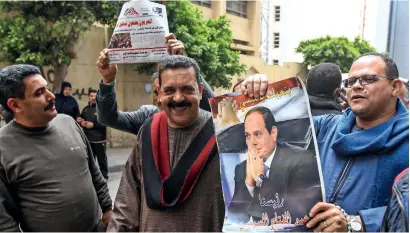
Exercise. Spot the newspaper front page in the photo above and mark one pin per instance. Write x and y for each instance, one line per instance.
(139, 33)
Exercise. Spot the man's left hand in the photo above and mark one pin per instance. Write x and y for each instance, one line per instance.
(84, 124)
(89, 125)
(327, 218)
(174, 46)
(106, 217)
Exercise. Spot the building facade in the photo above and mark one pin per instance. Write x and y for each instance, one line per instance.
(398, 39)
(249, 37)
(134, 90)
(299, 20)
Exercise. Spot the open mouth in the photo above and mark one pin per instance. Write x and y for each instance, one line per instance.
(50, 106)
(358, 97)
(179, 106)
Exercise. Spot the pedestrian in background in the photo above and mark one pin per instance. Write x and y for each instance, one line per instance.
(96, 133)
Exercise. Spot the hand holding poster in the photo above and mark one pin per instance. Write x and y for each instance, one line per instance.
(271, 176)
(139, 33)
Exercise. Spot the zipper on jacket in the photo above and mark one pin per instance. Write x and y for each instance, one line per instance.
(341, 180)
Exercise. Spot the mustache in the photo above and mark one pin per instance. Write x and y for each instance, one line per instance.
(50, 105)
(182, 104)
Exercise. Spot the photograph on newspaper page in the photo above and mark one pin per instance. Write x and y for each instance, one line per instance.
(139, 33)
(270, 171)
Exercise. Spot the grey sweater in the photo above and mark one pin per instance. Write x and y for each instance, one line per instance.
(49, 180)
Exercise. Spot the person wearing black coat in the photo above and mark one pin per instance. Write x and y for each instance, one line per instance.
(65, 103)
(323, 83)
(96, 133)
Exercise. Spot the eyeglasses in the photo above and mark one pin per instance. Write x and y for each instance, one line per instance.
(363, 80)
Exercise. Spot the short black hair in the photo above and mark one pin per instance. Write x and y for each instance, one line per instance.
(91, 91)
(237, 84)
(175, 62)
(64, 85)
(391, 67)
(323, 79)
(155, 75)
(267, 115)
(12, 82)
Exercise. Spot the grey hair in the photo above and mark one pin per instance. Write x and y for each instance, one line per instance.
(178, 61)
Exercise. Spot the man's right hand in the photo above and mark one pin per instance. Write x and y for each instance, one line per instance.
(255, 85)
(107, 71)
(254, 167)
(249, 179)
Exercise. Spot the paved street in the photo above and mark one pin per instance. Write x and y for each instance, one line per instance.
(116, 161)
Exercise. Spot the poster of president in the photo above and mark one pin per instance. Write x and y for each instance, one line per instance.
(270, 171)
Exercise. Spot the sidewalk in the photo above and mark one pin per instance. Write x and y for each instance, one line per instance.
(117, 157)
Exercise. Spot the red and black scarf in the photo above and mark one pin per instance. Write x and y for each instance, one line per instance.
(164, 188)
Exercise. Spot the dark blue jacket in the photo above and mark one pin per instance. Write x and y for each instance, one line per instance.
(359, 167)
(67, 105)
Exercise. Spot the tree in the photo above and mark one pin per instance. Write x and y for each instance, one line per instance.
(338, 50)
(43, 33)
(206, 41)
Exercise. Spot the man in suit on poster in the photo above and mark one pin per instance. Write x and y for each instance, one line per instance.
(277, 179)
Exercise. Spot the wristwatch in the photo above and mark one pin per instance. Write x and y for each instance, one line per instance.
(260, 180)
(355, 225)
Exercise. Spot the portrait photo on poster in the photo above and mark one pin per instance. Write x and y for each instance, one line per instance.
(270, 168)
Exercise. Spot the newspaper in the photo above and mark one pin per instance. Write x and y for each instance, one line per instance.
(139, 33)
(270, 170)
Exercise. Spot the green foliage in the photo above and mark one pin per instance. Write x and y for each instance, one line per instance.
(206, 41)
(338, 50)
(43, 32)
(46, 32)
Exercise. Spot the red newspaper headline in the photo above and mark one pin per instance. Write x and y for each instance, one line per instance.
(133, 23)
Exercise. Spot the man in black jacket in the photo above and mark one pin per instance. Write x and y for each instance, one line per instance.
(66, 103)
(96, 133)
(277, 179)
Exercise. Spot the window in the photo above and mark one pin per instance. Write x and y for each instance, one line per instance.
(202, 3)
(276, 40)
(277, 13)
(276, 62)
(241, 42)
(239, 8)
(240, 51)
